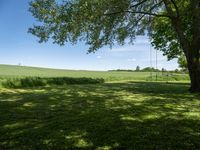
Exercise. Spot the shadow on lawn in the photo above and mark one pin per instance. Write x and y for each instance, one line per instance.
(102, 116)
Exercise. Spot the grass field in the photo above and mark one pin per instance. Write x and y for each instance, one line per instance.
(8, 71)
(104, 116)
(122, 115)
(20, 71)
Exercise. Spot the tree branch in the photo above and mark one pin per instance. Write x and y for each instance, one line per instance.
(149, 12)
(169, 9)
(176, 7)
(138, 20)
(137, 12)
(176, 22)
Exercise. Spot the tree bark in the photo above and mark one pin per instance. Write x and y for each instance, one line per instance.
(194, 51)
(191, 48)
(194, 73)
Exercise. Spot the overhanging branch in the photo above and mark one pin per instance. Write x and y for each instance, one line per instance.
(176, 7)
(137, 12)
(148, 12)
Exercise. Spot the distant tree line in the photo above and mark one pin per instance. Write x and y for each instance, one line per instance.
(151, 69)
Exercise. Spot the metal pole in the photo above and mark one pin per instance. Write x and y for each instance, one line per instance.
(156, 65)
(150, 62)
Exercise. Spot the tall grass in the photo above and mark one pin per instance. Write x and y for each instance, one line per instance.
(38, 81)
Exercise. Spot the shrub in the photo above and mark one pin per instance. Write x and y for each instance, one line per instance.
(68, 80)
(37, 81)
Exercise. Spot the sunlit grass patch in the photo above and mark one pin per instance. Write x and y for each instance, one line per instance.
(133, 115)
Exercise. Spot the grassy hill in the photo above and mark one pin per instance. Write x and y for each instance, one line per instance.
(23, 71)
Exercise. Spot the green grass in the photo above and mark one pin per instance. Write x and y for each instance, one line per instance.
(47, 109)
(9, 71)
(21, 71)
(30, 82)
(129, 115)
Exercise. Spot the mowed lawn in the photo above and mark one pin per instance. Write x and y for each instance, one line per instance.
(127, 115)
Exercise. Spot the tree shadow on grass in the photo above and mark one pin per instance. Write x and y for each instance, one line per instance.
(102, 116)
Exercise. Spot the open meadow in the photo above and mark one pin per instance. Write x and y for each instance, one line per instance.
(127, 114)
(9, 71)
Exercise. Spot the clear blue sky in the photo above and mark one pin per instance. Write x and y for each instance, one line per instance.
(17, 46)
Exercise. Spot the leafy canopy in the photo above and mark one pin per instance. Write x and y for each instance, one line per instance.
(182, 61)
(108, 22)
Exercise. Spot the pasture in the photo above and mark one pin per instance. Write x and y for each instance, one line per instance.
(9, 71)
(127, 113)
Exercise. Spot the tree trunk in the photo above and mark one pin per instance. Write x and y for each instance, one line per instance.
(194, 51)
(191, 46)
(194, 72)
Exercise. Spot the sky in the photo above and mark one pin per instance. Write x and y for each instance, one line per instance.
(17, 46)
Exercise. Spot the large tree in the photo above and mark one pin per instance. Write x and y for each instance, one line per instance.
(173, 25)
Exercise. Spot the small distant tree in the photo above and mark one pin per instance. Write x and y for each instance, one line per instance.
(149, 69)
(176, 70)
(163, 70)
(137, 68)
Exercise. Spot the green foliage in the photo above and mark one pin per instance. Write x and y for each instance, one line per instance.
(182, 61)
(97, 22)
(68, 80)
(37, 81)
(164, 36)
(149, 69)
(102, 22)
(23, 82)
(101, 116)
